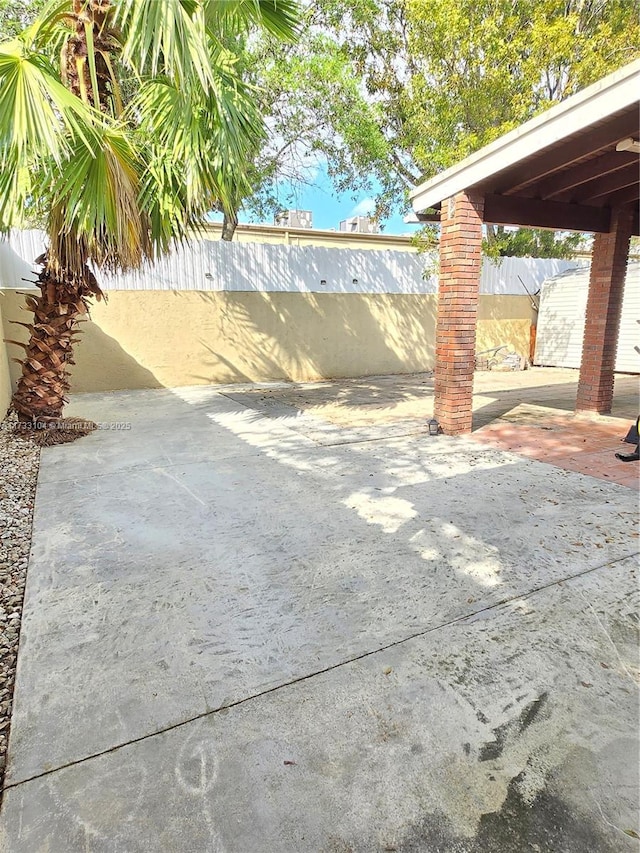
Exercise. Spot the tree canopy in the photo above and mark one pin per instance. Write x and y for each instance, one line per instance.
(15, 15)
(317, 114)
(394, 91)
(386, 93)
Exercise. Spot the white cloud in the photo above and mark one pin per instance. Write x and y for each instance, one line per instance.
(364, 207)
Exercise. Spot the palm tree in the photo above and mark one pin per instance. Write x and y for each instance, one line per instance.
(122, 122)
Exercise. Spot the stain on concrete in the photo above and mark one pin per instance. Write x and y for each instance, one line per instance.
(494, 749)
(532, 711)
(546, 825)
(337, 845)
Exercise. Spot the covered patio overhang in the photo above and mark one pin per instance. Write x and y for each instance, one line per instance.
(573, 168)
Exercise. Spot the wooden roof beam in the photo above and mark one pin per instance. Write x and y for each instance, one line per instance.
(605, 185)
(597, 140)
(618, 199)
(538, 213)
(581, 174)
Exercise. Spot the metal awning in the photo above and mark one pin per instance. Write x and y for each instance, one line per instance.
(565, 169)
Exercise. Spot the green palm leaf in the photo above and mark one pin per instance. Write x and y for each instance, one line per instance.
(280, 18)
(36, 110)
(95, 211)
(37, 118)
(166, 38)
(212, 135)
(172, 214)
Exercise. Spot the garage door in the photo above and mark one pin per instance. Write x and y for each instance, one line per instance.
(563, 305)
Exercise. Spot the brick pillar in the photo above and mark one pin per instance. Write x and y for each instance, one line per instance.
(460, 263)
(606, 285)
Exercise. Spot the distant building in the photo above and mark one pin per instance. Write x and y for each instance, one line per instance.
(294, 219)
(360, 225)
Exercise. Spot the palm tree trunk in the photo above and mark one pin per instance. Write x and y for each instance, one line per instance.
(41, 393)
(75, 67)
(43, 386)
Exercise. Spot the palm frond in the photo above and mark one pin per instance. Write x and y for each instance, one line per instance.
(212, 135)
(95, 214)
(16, 186)
(172, 214)
(51, 27)
(165, 37)
(280, 18)
(36, 111)
(38, 116)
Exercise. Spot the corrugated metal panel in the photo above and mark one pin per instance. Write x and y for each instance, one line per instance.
(502, 277)
(563, 304)
(217, 265)
(628, 357)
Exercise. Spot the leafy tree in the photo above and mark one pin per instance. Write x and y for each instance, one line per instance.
(316, 113)
(450, 76)
(123, 122)
(15, 15)
(502, 242)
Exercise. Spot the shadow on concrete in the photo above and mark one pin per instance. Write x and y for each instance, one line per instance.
(626, 400)
(393, 399)
(283, 573)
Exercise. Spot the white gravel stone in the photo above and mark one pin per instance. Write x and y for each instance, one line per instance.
(19, 460)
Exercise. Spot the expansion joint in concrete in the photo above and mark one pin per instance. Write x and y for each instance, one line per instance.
(309, 676)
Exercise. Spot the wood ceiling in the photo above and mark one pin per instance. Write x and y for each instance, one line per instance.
(572, 185)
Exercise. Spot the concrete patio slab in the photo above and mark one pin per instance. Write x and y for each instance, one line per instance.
(186, 566)
(372, 400)
(511, 730)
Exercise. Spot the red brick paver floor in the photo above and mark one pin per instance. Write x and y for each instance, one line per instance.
(573, 442)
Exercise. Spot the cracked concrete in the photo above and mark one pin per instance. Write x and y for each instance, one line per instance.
(253, 632)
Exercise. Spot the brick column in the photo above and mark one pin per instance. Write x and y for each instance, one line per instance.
(606, 285)
(460, 263)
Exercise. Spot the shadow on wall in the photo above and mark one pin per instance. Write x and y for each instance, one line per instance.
(5, 375)
(261, 267)
(103, 365)
(101, 362)
(155, 338)
(505, 321)
(150, 339)
(561, 336)
(298, 337)
(260, 329)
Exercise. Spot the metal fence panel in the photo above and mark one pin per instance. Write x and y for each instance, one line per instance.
(217, 265)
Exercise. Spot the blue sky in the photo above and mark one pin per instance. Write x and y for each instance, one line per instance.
(329, 207)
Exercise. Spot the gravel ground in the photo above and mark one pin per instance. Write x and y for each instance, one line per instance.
(19, 460)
